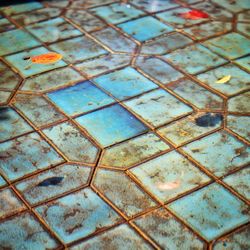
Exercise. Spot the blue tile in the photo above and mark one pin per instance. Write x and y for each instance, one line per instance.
(2, 181)
(236, 6)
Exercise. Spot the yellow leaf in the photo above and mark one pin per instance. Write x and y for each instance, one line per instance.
(224, 79)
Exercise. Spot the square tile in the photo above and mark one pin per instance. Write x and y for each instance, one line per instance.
(107, 129)
(219, 152)
(169, 176)
(136, 28)
(158, 107)
(80, 98)
(194, 59)
(211, 216)
(125, 83)
(78, 215)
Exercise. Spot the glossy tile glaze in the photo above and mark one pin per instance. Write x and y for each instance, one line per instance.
(128, 141)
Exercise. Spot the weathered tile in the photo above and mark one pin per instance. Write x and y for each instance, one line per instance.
(244, 62)
(234, 6)
(12, 124)
(122, 192)
(219, 152)
(244, 28)
(51, 183)
(2, 181)
(24, 232)
(78, 215)
(158, 107)
(102, 123)
(25, 155)
(72, 142)
(80, 98)
(168, 232)
(194, 59)
(125, 83)
(37, 109)
(136, 28)
(244, 17)
(119, 238)
(6, 25)
(89, 4)
(240, 103)
(57, 4)
(211, 216)
(169, 175)
(191, 127)
(4, 97)
(53, 30)
(133, 151)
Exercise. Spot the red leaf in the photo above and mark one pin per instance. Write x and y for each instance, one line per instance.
(194, 15)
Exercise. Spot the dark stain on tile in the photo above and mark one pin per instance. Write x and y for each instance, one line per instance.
(52, 181)
(209, 120)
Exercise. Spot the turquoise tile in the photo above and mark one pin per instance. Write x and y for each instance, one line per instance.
(239, 79)
(51, 183)
(136, 29)
(158, 107)
(78, 215)
(37, 109)
(6, 25)
(85, 5)
(103, 123)
(117, 12)
(26, 155)
(18, 39)
(234, 6)
(194, 59)
(125, 83)
(219, 152)
(26, 68)
(239, 104)
(244, 28)
(122, 192)
(80, 98)
(121, 238)
(244, 17)
(211, 216)
(169, 176)
(4, 97)
(133, 151)
(78, 49)
(12, 124)
(59, 4)
(72, 143)
(197, 95)
(2, 181)
(167, 231)
(244, 62)
(24, 232)
(228, 45)
(53, 30)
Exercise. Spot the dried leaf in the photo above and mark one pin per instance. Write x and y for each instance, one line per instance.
(52, 181)
(47, 58)
(224, 79)
(169, 185)
(194, 15)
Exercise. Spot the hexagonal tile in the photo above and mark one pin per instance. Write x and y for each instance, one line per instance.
(244, 62)
(6, 25)
(4, 97)
(234, 6)
(2, 182)
(244, 28)
(240, 103)
(244, 17)
(85, 5)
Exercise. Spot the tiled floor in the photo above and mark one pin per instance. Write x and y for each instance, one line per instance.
(128, 142)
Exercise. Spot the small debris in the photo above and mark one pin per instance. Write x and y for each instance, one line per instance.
(209, 120)
(194, 15)
(224, 79)
(52, 181)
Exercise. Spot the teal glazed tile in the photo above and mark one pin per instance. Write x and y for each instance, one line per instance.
(18, 39)
(125, 83)
(27, 68)
(115, 40)
(244, 62)
(51, 183)
(103, 64)
(58, 4)
(80, 98)
(117, 12)
(228, 45)
(9, 203)
(244, 28)
(12, 124)
(240, 182)
(78, 215)
(191, 127)
(216, 211)
(240, 103)
(197, 95)
(103, 123)
(24, 232)
(194, 59)
(234, 6)
(26, 155)
(239, 79)
(6, 25)
(163, 45)
(53, 30)
(4, 97)
(53, 79)
(133, 151)
(220, 153)
(239, 125)
(136, 28)
(37, 109)
(158, 107)
(2, 181)
(169, 176)
(88, 4)
(168, 232)
(159, 70)
(235, 241)
(244, 17)
(122, 192)
(72, 142)
(78, 49)
(120, 238)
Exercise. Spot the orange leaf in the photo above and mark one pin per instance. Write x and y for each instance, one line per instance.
(194, 15)
(47, 58)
